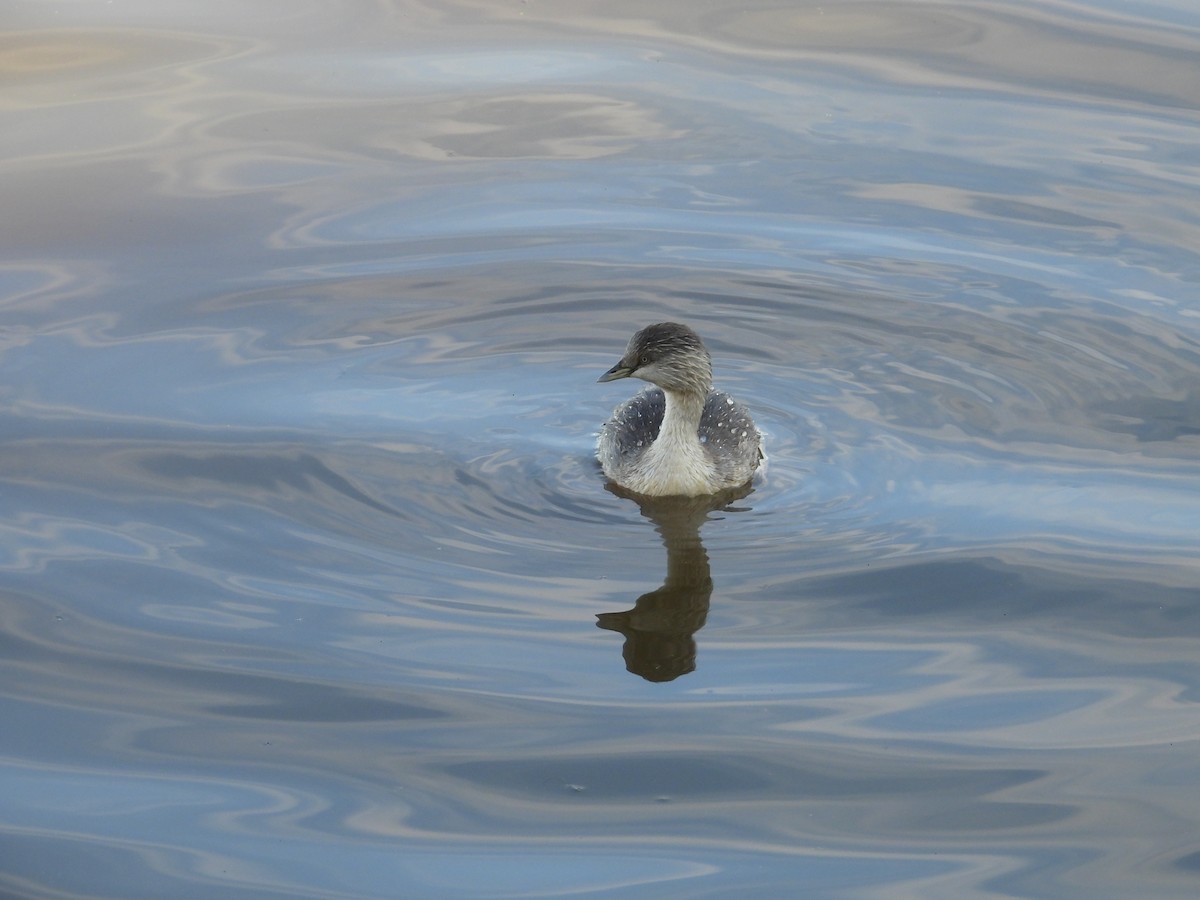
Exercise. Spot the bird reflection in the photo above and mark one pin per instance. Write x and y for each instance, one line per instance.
(660, 630)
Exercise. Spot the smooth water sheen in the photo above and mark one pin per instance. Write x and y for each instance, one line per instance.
(303, 542)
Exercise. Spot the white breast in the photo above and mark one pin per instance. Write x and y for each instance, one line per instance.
(674, 467)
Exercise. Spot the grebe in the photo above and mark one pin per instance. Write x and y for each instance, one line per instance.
(680, 438)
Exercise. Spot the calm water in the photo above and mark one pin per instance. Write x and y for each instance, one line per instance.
(303, 544)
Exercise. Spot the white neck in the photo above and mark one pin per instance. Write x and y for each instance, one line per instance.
(676, 462)
(681, 418)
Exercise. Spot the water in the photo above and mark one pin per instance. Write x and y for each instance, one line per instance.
(303, 544)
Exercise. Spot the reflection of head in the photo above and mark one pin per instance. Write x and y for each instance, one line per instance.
(659, 642)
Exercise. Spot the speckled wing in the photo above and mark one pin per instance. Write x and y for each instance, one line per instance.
(632, 427)
(730, 437)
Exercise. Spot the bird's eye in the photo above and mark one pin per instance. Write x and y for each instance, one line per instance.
(643, 360)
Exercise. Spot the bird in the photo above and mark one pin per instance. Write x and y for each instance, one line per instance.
(680, 437)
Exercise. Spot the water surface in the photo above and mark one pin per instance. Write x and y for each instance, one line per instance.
(303, 544)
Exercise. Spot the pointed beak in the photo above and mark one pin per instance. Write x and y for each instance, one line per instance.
(620, 370)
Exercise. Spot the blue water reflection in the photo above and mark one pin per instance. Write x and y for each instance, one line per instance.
(304, 550)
